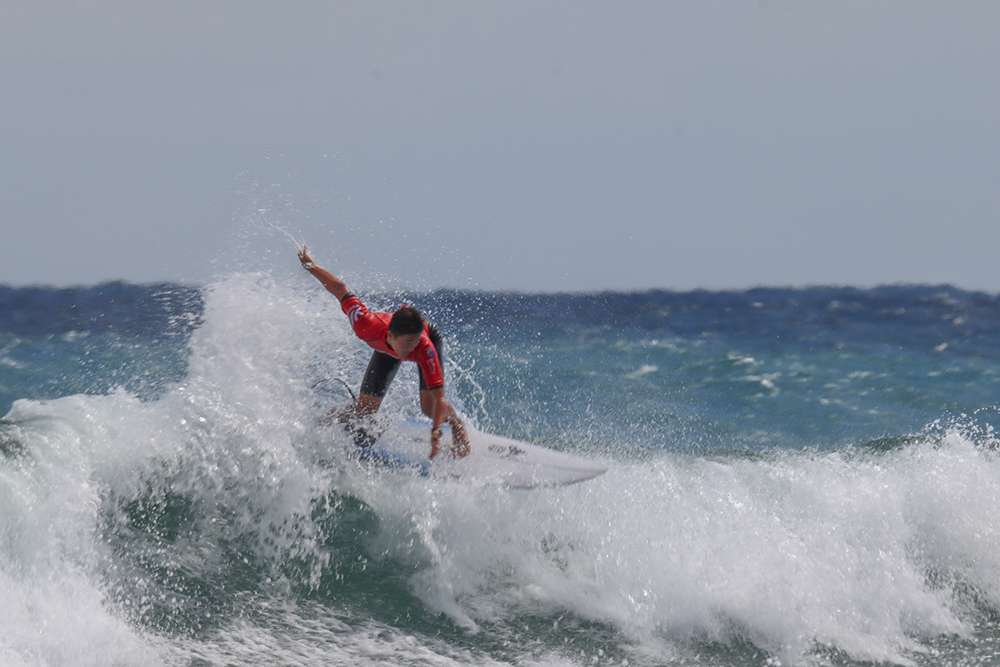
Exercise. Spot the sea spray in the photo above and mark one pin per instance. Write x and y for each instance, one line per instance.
(217, 519)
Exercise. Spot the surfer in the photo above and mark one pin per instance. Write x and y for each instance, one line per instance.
(395, 337)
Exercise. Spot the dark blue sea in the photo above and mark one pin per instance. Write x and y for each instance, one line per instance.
(796, 477)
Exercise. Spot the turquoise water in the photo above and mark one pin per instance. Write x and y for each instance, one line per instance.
(796, 476)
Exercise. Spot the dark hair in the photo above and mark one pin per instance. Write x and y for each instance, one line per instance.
(406, 321)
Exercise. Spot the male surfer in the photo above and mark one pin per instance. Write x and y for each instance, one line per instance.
(396, 337)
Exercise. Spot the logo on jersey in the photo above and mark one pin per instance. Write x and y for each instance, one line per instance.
(354, 314)
(431, 352)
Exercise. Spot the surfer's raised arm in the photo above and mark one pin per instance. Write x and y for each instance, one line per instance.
(332, 283)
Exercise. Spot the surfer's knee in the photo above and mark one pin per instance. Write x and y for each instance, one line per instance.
(366, 405)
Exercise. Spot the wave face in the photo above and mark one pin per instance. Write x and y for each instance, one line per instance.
(795, 477)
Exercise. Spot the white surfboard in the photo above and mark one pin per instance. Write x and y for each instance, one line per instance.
(492, 459)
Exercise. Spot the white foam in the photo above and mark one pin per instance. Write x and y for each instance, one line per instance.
(52, 610)
(792, 552)
(868, 553)
(645, 369)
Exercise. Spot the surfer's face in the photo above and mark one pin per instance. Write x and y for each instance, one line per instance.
(403, 345)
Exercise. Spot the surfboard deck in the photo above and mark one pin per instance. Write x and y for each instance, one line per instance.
(492, 459)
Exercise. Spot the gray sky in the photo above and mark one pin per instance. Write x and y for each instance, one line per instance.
(537, 146)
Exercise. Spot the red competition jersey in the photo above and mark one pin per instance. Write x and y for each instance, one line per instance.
(372, 328)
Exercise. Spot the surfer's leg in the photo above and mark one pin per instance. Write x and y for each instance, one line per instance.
(357, 420)
(366, 405)
(378, 376)
(363, 406)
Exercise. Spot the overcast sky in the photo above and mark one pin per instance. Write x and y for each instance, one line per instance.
(536, 146)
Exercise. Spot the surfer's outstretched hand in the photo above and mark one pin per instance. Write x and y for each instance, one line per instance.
(304, 257)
